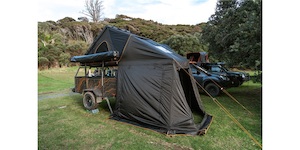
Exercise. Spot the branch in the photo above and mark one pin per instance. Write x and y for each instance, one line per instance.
(93, 9)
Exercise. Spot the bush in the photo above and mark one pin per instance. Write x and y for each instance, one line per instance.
(64, 59)
(43, 63)
(257, 78)
(184, 44)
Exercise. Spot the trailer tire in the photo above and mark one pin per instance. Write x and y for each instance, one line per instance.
(89, 101)
(212, 89)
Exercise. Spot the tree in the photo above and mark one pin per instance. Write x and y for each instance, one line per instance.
(234, 33)
(93, 10)
(184, 44)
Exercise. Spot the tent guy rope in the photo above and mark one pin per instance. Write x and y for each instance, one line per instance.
(223, 108)
(225, 91)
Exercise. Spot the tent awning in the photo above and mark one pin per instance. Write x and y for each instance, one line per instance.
(97, 57)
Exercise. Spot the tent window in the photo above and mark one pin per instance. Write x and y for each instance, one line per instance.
(102, 48)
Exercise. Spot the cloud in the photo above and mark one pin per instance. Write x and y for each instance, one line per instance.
(162, 11)
(58, 9)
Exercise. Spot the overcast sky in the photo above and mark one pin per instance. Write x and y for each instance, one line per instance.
(163, 11)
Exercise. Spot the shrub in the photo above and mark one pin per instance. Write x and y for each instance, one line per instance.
(64, 59)
(43, 63)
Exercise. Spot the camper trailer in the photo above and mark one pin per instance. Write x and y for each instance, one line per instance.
(96, 83)
(152, 84)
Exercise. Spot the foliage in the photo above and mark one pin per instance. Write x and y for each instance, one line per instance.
(257, 77)
(96, 28)
(150, 29)
(64, 59)
(43, 62)
(66, 20)
(234, 33)
(59, 41)
(76, 48)
(184, 44)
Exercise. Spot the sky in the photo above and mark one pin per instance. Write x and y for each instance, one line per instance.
(163, 11)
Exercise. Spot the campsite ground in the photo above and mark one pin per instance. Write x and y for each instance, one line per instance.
(63, 123)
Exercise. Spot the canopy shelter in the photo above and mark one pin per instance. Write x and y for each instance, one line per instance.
(155, 88)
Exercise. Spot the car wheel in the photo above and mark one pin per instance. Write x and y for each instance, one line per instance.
(236, 82)
(89, 101)
(212, 89)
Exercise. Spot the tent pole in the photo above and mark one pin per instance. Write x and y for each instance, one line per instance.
(85, 74)
(108, 103)
(102, 84)
(102, 74)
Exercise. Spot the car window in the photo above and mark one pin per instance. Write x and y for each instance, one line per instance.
(225, 69)
(215, 69)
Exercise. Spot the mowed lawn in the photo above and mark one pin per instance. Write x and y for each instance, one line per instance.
(63, 123)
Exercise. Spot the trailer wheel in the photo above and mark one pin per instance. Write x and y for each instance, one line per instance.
(89, 101)
(212, 89)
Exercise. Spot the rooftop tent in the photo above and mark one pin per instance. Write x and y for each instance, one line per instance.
(155, 88)
(199, 57)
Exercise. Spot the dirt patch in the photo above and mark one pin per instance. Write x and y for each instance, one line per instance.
(56, 94)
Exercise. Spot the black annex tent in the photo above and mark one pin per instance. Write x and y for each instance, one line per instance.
(154, 85)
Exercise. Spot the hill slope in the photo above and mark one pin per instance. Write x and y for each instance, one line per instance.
(60, 40)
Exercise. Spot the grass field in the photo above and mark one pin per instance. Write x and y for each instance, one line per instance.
(63, 123)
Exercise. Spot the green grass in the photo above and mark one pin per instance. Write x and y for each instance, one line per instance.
(54, 80)
(63, 123)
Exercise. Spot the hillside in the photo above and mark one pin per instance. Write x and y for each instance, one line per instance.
(151, 29)
(147, 28)
(62, 39)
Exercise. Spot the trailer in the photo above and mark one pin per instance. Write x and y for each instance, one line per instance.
(96, 81)
(95, 87)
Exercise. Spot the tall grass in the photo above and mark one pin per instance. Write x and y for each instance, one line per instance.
(63, 123)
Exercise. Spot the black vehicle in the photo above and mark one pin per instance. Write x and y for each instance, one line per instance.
(209, 80)
(201, 59)
(236, 78)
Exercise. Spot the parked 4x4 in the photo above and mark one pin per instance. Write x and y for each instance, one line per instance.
(236, 78)
(209, 80)
(201, 59)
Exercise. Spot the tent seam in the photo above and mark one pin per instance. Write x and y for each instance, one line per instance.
(123, 51)
(171, 102)
(161, 87)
